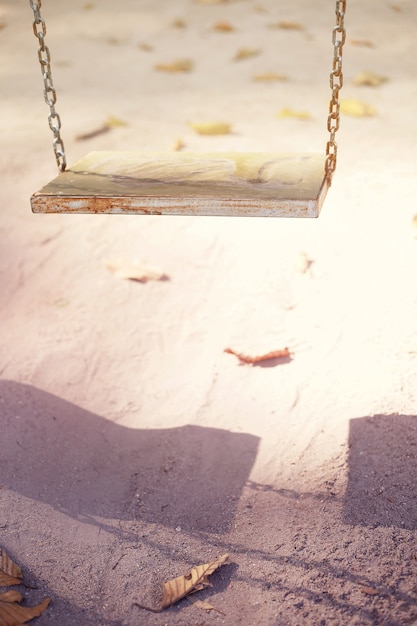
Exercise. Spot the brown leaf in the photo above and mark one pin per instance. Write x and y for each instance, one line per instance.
(179, 23)
(206, 606)
(253, 360)
(132, 270)
(287, 25)
(146, 47)
(211, 128)
(180, 65)
(356, 108)
(12, 614)
(10, 573)
(363, 43)
(369, 79)
(223, 27)
(246, 53)
(369, 591)
(270, 77)
(196, 580)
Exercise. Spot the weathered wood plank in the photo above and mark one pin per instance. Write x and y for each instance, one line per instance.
(240, 184)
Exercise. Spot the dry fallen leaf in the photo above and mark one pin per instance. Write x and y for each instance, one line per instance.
(12, 614)
(180, 587)
(179, 23)
(223, 27)
(111, 122)
(369, 79)
(10, 573)
(211, 128)
(246, 53)
(178, 145)
(146, 47)
(134, 271)
(363, 43)
(291, 113)
(270, 77)
(180, 65)
(268, 356)
(369, 591)
(206, 606)
(286, 25)
(356, 108)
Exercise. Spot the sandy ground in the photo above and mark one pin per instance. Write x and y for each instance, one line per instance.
(132, 446)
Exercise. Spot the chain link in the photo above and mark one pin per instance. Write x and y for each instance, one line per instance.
(336, 83)
(39, 30)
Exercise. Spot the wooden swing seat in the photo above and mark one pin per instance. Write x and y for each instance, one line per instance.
(181, 183)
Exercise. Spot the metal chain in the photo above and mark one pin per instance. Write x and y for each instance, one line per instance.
(336, 83)
(39, 29)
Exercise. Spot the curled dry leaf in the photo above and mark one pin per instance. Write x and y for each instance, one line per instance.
(132, 270)
(180, 587)
(12, 614)
(180, 65)
(246, 53)
(10, 573)
(284, 353)
(291, 113)
(270, 77)
(356, 108)
(369, 79)
(211, 128)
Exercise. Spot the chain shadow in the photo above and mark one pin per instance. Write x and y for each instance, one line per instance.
(86, 466)
(382, 475)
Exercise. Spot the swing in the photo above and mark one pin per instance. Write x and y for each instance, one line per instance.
(231, 184)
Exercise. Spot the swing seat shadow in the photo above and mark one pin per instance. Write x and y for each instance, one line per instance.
(382, 474)
(87, 466)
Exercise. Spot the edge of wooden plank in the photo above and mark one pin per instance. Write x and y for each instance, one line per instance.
(172, 204)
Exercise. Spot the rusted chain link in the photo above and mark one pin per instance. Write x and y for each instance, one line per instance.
(39, 29)
(336, 83)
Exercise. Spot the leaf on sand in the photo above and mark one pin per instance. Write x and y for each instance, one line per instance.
(111, 122)
(223, 27)
(211, 128)
(132, 270)
(286, 25)
(246, 53)
(369, 591)
(369, 79)
(180, 65)
(195, 580)
(284, 353)
(270, 77)
(206, 606)
(287, 113)
(178, 145)
(362, 43)
(12, 614)
(356, 108)
(182, 586)
(10, 573)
